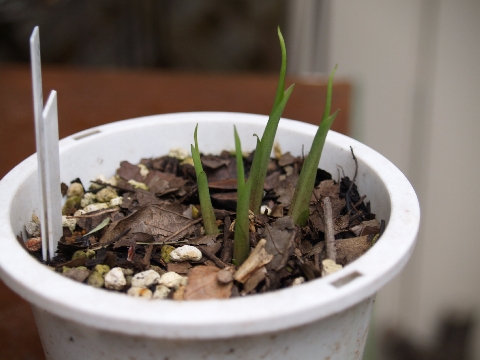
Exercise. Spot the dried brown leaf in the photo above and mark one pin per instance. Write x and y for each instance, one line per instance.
(351, 249)
(279, 241)
(203, 284)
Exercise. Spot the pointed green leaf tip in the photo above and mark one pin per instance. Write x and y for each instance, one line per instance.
(208, 214)
(258, 170)
(241, 242)
(299, 208)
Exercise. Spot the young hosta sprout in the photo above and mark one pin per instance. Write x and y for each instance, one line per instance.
(299, 208)
(263, 150)
(241, 243)
(209, 220)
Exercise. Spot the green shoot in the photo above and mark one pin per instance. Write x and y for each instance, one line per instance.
(241, 243)
(208, 215)
(299, 208)
(258, 170)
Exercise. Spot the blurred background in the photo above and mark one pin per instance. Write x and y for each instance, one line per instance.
(413, 66)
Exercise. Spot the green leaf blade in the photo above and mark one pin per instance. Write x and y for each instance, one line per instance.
(208, 214)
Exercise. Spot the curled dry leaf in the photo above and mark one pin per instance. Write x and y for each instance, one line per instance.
(203, 284)
(367, 228)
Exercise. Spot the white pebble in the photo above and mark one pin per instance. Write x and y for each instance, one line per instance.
(95, 207)
(116, 201)
(179, 153)
(88, 198)
(329, 267)
(161, 292)
(264, 209)
(106, 194)
(70, 223)
(145, 279)
(139, 292)
(186, 253)
(32, 228)
(299, 280)
(172, 280)
(75, 189)
(115, 280)
(143, 169)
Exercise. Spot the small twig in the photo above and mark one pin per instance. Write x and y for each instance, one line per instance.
(329, 232)
(382, 228)
(212, 257)
(347, 194)
(148, 254)
(316, 260)
(182, 230)
(93, 214)
(227, 249)
(106, 244)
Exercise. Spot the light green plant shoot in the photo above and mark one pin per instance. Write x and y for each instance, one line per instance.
(299, 208)
(258, 170)
(208, 215)
(241, 244)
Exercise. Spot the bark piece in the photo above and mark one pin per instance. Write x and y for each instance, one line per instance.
(78, 274)
(257, 277)
(129, 171)
(329, 234)
(257, 258)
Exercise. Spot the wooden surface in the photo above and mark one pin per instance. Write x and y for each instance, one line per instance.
(88, 98)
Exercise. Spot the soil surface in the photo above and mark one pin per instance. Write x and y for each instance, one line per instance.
(141, 220)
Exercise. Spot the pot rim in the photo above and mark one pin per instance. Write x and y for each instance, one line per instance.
(206, 319)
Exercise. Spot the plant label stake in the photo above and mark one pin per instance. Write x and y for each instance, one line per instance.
(46, 136)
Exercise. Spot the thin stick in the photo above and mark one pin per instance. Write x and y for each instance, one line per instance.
(182, 229)
(347, 194)
(212, 257)
(329, 232)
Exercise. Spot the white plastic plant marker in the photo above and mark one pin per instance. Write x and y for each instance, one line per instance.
(46, 137)
(51, 181)
(36, 65)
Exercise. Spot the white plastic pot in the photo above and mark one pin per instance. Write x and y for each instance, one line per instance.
(323, 319)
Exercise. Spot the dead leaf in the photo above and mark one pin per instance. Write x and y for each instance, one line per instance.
(284, 189)
(151, 219)
(351, 249)
(271, 180)
(341, 223)
(279, 241)
(203, 284)
(366, 228)
(326, 188)
(179, 267)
